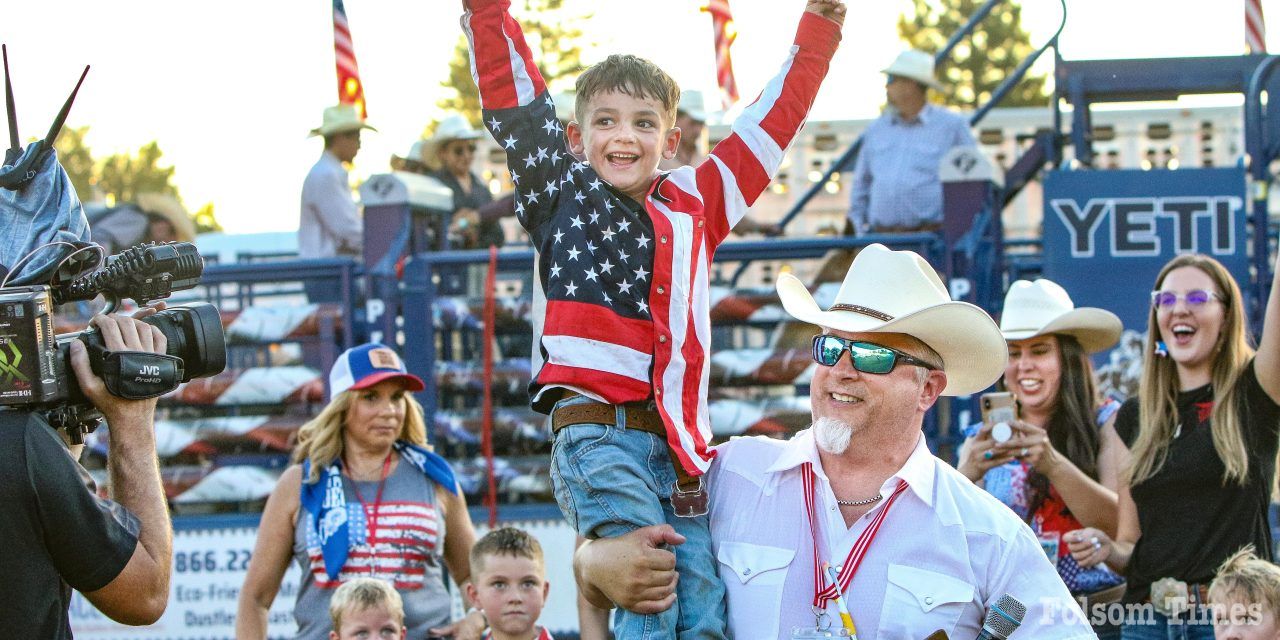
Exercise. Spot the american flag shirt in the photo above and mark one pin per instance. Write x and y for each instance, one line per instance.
(621, 300)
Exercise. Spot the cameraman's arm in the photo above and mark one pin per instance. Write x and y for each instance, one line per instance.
(139, 594)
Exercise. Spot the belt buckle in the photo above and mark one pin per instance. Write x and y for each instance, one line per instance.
(689, 504)
(1170, 597)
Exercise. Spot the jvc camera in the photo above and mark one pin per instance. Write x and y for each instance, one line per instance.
(35, 364)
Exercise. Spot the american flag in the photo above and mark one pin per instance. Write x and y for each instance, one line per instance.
(350, 90)
(622, 301)
(725, 34)
(1255, 27)
(399, 552)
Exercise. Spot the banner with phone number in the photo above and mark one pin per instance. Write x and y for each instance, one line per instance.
(208, 571)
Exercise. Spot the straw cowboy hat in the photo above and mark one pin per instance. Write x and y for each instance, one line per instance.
(340, 119)
(452, 128)
(168, 208)
(916, 65)
(1042, 307)
(898, 292)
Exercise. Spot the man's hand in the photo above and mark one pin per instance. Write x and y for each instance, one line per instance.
(119, 334)
(832, 10)
(631, 570)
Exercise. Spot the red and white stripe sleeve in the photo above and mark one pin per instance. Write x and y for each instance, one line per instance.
(740, 167)
(501, 63)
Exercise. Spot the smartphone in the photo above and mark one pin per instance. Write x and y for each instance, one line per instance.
(997, 408)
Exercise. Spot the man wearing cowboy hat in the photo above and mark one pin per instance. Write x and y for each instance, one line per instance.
(330, 224)
(915, 546)
(895, 181)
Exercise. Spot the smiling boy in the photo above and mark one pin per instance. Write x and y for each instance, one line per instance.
(622, 302)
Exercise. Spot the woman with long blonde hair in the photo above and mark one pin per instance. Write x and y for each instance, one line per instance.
(1202, 438)
(365, 498)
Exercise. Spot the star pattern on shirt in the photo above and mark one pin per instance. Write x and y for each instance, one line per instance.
(598, 248)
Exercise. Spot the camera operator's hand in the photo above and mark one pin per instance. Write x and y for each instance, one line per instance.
(139, 594)
(119, 333)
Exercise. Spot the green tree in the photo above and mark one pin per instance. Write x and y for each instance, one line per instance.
(982, 60)
(553, 30)
(121, 177)
(205, 220)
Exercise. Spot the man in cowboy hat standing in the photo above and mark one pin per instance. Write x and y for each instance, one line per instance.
(330, 224)
(895, 181)
(914, 545)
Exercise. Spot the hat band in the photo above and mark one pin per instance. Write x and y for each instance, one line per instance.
(878, 315)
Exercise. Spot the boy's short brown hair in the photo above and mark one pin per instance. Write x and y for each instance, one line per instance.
(1246, 578)
(631, 75)
(507, 541)
(364, 593)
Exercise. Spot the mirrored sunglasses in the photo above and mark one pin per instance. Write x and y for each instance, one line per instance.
(867, 357)
(1194, 298)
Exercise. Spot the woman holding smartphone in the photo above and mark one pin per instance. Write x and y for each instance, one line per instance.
(1058, 464)
(1203, 435)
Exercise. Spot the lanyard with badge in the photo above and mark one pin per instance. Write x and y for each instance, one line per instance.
(825, 591)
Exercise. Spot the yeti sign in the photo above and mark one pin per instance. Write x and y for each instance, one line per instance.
(1107, 233)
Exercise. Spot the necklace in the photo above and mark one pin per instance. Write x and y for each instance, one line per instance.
(859, 503)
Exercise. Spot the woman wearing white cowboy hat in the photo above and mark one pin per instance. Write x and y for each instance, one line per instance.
(449, 154)
(1058, 465)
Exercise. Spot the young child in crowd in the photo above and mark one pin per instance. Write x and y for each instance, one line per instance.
(366, 608)
(1245, 597)
(623, 322)
(509, 584)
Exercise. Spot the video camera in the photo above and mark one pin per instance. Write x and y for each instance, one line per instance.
(35, 364)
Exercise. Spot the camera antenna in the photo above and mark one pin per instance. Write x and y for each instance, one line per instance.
(15, 146)
(20, 164)
(56, 127)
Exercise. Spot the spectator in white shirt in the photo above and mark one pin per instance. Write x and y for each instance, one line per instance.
(940, 550)
(330, 224)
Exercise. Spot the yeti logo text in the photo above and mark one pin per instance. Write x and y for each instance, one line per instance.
(1133, 224)
(149, 370)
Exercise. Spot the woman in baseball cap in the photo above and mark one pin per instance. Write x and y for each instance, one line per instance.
(366, 497)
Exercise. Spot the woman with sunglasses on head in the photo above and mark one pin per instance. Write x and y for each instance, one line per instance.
(1054, 466)
(448, 155)
(1201, 439)
(366, 498)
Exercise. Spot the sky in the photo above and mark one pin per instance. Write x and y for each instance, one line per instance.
(230, 89)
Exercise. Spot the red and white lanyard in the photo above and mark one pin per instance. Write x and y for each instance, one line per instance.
(823, 591)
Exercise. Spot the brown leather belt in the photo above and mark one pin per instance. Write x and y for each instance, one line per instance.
(1193, 590)
(591, 412)
(636, 417)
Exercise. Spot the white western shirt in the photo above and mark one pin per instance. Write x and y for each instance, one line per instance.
(945, 551)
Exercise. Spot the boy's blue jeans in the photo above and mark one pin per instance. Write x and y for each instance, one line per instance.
(610, 480)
